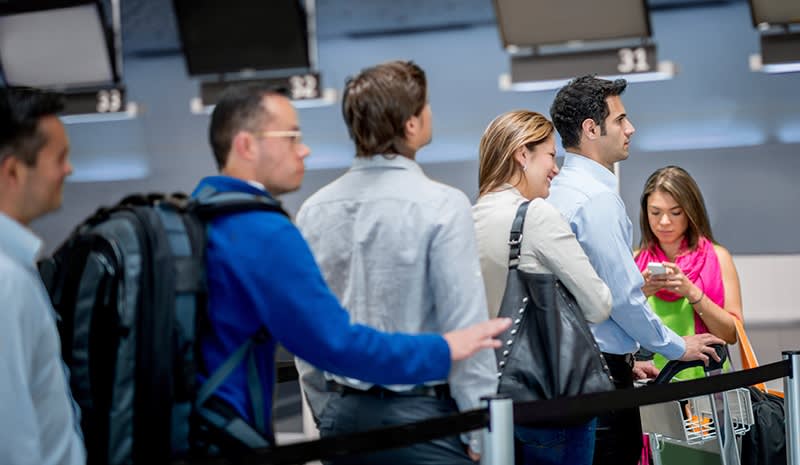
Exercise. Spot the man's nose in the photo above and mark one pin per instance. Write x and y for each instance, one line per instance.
(304, 151)
(631, 129)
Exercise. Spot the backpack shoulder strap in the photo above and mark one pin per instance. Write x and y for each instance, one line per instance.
(207, 205)
(210, 203)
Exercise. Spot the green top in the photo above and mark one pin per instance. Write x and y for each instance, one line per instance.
(678, 316)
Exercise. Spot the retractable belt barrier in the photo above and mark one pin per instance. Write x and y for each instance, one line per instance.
(527, 413)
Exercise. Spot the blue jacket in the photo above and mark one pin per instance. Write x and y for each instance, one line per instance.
(262, 273)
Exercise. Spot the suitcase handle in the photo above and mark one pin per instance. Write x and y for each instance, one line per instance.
(674, 367)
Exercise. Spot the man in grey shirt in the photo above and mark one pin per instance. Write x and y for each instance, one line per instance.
(38, 419)
(399, 250)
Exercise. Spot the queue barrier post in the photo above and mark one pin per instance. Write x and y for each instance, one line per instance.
(791, 392)
(498, 438)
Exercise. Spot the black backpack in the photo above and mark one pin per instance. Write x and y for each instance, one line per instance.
(130, 290)
(765, 443)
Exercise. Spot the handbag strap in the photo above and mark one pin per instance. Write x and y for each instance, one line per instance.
(515, 238)
(748, 356)
(746, 352)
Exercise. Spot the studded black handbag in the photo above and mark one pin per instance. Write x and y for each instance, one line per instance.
(549, 351)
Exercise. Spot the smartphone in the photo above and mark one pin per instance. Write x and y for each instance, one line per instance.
(656, 268)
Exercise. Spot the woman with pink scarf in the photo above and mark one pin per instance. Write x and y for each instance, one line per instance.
(699, 293)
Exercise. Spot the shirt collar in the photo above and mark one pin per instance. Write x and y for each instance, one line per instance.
(386, 161)
(594, 169)
(18, 242)
(257, 185)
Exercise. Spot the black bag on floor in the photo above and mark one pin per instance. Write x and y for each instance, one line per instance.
(765, 443)
(129, 287)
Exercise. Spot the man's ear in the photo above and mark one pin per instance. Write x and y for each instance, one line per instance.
(10, 170)
(590, 128)
(411, 126)
(242, 144)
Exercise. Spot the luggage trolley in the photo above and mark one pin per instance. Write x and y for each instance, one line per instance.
(711, 423)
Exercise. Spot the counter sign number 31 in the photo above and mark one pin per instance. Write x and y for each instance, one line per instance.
(633, 60)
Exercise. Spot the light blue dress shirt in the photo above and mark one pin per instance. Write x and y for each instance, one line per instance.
(38, 420)
(399, 250)
(585, 193)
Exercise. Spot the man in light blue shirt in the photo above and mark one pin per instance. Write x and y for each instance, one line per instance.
(399, 250)
(595, 131)
(38, 419)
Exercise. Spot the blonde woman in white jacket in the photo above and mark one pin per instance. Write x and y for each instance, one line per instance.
(517, 163)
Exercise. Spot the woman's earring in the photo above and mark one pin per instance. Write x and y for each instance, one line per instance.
(524, 167)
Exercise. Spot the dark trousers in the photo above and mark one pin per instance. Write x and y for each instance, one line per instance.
(573, 445)
(350, 412)
(618, 439)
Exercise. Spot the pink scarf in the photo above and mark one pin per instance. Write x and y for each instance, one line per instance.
(700, 265)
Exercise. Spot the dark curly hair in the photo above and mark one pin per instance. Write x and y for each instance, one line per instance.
(584, 97)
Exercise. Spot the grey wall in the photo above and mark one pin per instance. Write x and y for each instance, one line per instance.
(737, 131)
(751, 193)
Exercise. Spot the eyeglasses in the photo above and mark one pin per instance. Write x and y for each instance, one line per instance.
(296, 137)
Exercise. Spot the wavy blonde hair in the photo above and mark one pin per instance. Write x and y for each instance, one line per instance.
(505, 135)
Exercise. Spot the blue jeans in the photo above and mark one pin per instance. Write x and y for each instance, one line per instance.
(555, 446)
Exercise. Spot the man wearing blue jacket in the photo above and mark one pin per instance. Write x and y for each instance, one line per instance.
(261, 273)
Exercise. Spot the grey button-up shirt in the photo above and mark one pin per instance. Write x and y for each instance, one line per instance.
(399, 250)
(38, 423)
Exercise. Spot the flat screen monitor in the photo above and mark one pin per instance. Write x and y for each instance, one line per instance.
(775, 11)
(541, 22)
(55, 44)
(234, 35)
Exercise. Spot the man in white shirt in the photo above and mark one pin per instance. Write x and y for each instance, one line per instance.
(38, 419)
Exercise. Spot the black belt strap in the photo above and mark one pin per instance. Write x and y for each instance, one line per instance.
(439, 391)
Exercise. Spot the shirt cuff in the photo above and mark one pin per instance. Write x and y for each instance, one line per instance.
(676, 347)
